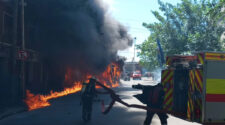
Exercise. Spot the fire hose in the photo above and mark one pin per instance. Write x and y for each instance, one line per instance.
(116, 98)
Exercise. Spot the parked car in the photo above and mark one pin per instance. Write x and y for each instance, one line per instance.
(136, 75)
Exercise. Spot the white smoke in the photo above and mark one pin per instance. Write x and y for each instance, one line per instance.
(157, 75)
(110, 5)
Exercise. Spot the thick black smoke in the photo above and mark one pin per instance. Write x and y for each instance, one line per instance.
(76, 33)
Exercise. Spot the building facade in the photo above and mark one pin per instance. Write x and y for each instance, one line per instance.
(14, 83)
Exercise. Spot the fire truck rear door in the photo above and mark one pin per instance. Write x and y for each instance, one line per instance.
(214, 90)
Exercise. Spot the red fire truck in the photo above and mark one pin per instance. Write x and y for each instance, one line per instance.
(195, 86)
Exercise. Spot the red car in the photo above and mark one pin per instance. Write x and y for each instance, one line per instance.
(136, 75)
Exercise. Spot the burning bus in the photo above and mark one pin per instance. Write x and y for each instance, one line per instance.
(110, 78)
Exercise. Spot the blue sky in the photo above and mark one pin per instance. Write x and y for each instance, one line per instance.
(132, 13)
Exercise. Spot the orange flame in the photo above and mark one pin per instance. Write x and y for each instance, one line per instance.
(40, 101)
(109, 78)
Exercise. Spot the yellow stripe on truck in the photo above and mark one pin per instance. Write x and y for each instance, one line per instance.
(215, 56)
(200, 58)
(164, 73)
(215, 86)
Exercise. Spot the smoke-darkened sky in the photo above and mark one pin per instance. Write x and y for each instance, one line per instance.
(77, 33)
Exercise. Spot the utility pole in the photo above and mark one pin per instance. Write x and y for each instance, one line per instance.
(134, 48)
(134, 66)
(23, 48)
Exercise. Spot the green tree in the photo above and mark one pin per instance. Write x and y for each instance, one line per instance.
(148, 57)
(182, 29)
(218, 12)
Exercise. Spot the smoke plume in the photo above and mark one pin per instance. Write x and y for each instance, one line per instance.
(80, 34)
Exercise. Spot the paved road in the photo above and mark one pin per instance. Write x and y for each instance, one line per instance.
(67, 111)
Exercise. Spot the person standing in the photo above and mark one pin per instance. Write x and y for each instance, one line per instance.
(155, 100)
(88, 93)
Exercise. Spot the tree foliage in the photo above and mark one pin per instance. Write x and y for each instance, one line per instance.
(184, 28)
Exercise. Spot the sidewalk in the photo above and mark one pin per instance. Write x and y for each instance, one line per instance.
(8, 111)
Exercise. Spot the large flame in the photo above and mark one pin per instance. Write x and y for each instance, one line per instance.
(109, 78)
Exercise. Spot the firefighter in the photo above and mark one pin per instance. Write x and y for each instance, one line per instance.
(153, 96)
(155, 101)
(88, 93)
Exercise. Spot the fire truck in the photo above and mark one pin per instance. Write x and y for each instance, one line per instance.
(195, 87)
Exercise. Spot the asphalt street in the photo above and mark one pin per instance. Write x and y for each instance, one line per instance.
(67, 111)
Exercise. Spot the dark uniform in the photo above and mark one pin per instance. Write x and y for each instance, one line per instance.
(155, 101)
(153, 96)
(87, 95)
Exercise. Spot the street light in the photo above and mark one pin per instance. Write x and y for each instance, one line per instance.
(134, 48)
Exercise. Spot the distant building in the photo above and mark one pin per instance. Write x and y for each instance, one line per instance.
(130, 67)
